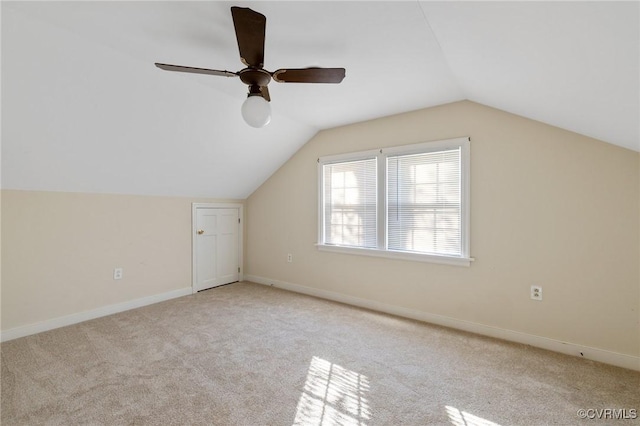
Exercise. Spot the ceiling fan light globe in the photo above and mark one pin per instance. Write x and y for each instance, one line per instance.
(256, 111)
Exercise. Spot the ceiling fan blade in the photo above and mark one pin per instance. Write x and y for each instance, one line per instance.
(180, 68)
(250, 31)
(265, 93)
(309, 75)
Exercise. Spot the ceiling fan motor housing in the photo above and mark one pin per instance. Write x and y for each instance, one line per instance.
(254, 76)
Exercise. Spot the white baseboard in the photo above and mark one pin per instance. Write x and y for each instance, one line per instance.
(39, 327)
(608, 357)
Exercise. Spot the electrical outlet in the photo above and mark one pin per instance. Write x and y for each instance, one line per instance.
(117, 274)
(289, 258)
(536, 292)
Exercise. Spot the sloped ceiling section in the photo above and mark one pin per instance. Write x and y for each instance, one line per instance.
(84, 109)
(574, 65)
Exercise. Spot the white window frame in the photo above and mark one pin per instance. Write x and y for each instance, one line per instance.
(381, 156)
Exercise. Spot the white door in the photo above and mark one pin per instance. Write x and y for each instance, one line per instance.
(216, 247)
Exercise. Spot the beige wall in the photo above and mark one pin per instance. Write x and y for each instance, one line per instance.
(59, 251)
(548, 207)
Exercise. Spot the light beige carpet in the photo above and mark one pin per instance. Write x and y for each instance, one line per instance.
(247, 354)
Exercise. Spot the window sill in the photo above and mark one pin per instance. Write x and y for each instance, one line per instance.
(446, 260)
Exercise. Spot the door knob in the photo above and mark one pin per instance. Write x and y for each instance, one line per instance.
(200, 231)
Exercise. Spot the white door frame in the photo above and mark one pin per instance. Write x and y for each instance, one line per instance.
(194, 230)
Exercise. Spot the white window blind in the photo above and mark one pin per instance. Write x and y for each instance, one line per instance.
(424, 205)
(349, 205)
(407, 202)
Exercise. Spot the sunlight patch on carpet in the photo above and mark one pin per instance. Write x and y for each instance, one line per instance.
(333, 395)
(462, 418)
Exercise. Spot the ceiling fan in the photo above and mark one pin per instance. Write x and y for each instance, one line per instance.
(250, 33)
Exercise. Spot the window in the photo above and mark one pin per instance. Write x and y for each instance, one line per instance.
(423, 203)
(409, 202)
(350, 203)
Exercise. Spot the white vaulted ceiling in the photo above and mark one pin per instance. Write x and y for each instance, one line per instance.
(84, 108)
